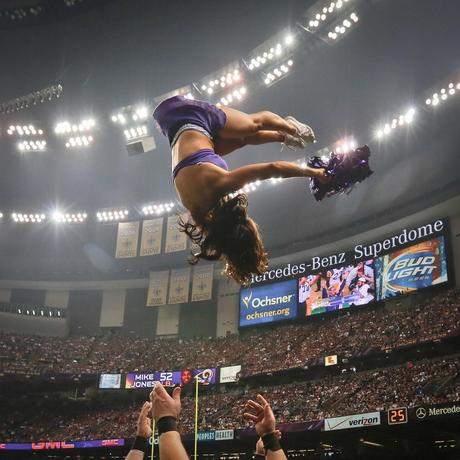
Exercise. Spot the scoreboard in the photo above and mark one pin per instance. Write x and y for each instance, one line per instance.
(140, 380)
(397, 416)
(169, 379)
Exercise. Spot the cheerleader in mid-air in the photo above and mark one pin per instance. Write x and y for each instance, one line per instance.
(200, 134)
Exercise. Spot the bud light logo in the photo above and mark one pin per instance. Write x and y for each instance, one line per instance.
(415, 267)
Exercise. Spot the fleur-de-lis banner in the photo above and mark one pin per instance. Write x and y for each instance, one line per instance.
(179, 286)
(127, 238)
(175, 240)
(152, 232)
(158, 288)
(202, 282)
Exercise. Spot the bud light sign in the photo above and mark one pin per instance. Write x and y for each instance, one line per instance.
(416, 267)
(269, 303)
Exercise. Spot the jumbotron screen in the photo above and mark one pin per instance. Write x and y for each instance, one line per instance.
(409, 269)
(269, 303)
(337, 288)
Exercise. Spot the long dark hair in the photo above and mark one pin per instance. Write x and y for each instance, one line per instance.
(226, 232)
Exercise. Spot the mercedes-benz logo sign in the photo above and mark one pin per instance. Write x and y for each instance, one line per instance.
(420, 412)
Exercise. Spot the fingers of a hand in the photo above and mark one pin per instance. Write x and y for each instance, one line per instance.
(268, 412)
(262, 400)
(251, 417)
(146, 408)
(160, 390)
(176, 394)
(253, 405)
(278, 434)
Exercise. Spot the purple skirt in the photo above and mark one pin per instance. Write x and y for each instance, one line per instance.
(174, 112)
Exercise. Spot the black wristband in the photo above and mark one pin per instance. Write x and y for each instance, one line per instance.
(166, 424)
(140, 443)
(259, 457)
(271, 442)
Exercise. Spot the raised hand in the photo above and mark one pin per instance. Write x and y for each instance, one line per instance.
(144, 423)
(261, 414)
(164, 405)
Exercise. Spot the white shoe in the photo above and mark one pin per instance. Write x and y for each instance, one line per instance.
(293, 142)
(304, 131)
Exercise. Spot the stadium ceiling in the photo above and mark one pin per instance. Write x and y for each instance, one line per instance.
(352, 86)
(18, 13)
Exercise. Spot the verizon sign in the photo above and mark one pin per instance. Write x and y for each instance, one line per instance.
(352, 421)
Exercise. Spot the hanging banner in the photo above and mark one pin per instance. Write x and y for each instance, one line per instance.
(179, 286)
(202, 282)
(127, 238)
(152, 232)
(175, 239)
(158, 288)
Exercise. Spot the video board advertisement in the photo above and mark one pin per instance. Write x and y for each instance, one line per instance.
(268, 304)
(229, 374)
(110, 381)
(410, 269)
(337, 288)
(139, 380)
(206, 376)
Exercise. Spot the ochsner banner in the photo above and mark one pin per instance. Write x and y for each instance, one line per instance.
(352, 421)
(269, 303)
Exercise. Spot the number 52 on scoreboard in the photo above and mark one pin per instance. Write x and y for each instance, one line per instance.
(397, 416)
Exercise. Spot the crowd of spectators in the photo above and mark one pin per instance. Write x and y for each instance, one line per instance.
(424, 382)
(297, 344)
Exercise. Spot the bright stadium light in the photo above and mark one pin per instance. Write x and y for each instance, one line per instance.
(340, 28)
(136, 132)
(157, 209)
(79, 142)
(277, 73)
(26, 218)
(266, 56)
(140, 113)
(248, 188)
(24, 130)
(79, 132)
(233, 97)
(112, 214)
(345, 145)
(69, 218)
(219, 82)
(443, 94)
(402, 119)
(322, 16)
(65, 127)
(289, 39)
(119, 118)
(38, 145)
